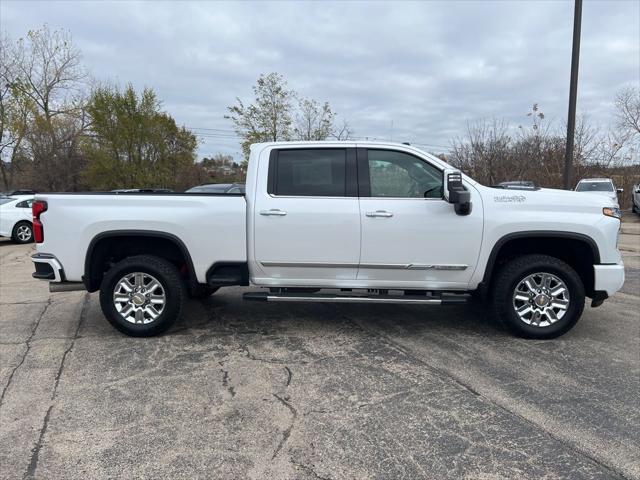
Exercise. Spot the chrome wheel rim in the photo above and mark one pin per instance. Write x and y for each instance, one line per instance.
(541, 299)
(23, 233)
(139, 298)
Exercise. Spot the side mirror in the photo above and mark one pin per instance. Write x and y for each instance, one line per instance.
(620, 190)
(456, 193)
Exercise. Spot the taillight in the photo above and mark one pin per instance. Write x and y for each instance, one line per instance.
(37, 208)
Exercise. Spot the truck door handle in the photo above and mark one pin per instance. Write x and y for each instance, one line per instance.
(273, 212)
(379, 213)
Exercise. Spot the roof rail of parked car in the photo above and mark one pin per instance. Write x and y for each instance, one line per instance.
(22, 191)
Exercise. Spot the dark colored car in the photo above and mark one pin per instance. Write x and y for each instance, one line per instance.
(218, 188)
(142, 190)
(21, 191)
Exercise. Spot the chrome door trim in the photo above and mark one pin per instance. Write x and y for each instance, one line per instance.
(380, 266)
(308, 264)
(413, 266)
(420, 199)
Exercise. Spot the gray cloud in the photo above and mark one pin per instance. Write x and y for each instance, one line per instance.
(428, 67)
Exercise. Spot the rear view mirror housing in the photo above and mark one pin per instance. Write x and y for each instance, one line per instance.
(619, 190)
(456, 193)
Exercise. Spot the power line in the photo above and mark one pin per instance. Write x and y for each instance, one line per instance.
(211, 129)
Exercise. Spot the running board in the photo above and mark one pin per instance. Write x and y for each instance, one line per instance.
(444, 299)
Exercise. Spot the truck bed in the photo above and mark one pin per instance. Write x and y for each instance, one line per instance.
(212, 227)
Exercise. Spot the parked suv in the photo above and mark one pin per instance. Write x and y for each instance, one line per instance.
(600, 186)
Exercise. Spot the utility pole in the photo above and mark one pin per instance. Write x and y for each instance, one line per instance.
(573, 91)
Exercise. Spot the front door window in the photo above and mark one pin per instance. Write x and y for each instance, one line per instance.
(400, 175)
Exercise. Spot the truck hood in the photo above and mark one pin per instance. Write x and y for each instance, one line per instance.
(549, 197)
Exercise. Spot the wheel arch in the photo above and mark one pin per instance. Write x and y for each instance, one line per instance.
(22, 220)
(578, 250)
(139, 242)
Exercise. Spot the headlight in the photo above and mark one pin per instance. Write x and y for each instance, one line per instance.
(612, 212)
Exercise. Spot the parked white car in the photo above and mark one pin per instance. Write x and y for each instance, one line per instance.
(15, 218)
(600, 186)
(635, 198)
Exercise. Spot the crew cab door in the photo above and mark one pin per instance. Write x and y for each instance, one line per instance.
(411, 237)
(306, 217)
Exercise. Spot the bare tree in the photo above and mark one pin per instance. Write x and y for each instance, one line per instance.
(48, 71)
(15, 109)
(47, 84)
(627, 103)
(313, 121)
(492, 151)
(342, 132)
(484, 151)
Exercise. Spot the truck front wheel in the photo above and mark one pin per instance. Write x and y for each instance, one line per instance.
(538, 296)
(142, 295)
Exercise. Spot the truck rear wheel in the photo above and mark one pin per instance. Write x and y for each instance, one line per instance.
(538, 296)
(142, 296)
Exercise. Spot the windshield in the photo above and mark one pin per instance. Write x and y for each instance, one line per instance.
(594, 187)
(4, 200)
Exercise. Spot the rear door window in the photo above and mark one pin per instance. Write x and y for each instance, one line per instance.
(310, 172)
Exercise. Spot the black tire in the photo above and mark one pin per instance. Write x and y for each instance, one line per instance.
(510, 276)
(171, 285)
(200, 292)
(18, 234)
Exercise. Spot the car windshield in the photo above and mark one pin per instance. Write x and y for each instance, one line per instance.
(4, 200)
(594, 187)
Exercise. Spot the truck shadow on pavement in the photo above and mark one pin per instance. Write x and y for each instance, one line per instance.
(232, 315)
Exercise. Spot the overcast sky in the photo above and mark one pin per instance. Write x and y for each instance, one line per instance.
(416, 71)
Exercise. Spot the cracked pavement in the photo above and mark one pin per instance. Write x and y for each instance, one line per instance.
(312, 391)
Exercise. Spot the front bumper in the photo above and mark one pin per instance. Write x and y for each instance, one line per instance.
(608, 278)
(47, 268)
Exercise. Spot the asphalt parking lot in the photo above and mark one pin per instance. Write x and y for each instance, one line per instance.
(313, 391)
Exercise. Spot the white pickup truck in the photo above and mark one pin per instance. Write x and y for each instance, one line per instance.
(336, 222)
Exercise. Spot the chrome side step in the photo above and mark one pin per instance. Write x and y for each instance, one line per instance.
(444, 299)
